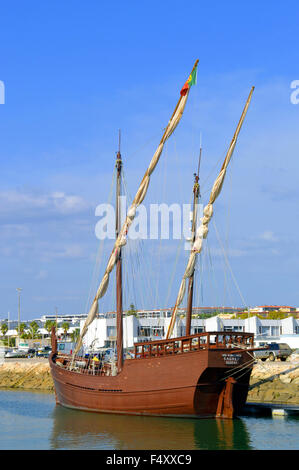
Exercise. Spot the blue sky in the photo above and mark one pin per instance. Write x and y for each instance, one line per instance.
(75, 72)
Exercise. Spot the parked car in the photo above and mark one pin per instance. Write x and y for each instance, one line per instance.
(31, 352)
(44, 352)
(105, 354)
(109, 354)
(15, 353)
(274, 351)
(3, 351)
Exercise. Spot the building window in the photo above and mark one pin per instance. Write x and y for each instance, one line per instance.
(265, 330)
(239, 328)
(198, 329)
(144, 331)
(111, 331)
(157, 331)
(233, 328)
(150, 331)
(275, 330)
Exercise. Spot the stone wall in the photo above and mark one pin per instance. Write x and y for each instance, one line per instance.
(275, 382)
(26, 374)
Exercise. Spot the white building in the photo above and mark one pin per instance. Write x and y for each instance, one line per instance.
(102, 332)
(71, 318)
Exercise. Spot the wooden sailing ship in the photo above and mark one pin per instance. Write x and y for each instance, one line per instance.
(199, 375)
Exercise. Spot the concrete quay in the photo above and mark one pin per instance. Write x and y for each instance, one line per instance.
(275, 382)
(26, 374)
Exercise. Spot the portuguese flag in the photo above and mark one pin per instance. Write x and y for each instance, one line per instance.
(191, 81)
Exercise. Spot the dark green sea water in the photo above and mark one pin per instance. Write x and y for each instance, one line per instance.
(33, 421)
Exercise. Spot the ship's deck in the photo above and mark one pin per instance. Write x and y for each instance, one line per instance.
(151, 349)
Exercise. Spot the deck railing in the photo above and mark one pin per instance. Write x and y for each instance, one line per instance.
(83, 365)
(185, 344)
(165, 347)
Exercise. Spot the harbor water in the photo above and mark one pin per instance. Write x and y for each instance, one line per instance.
(33, 421)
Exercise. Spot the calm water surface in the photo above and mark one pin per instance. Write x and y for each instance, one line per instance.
(33, 421)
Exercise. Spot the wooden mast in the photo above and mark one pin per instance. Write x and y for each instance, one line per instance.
(119, 300)
(131, 213)
(196, 194)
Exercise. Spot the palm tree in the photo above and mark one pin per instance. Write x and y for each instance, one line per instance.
(22, 329)
(49, 324)
(65, 325)
(34, 328)
(132, 310)
(4, 329)
(75, 334)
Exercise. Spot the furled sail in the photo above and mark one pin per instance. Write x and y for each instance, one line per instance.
(139, 197)
(203, 229)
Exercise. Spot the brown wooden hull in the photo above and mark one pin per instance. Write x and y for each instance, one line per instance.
(185, 385)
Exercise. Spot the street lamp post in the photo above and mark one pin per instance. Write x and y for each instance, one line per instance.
(19, 289)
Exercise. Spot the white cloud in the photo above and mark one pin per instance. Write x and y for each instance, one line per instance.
(15, 231)
(64, 252)
(68, 204)
(43, 274)
(24, 204)
(230, 253)
(269, 236)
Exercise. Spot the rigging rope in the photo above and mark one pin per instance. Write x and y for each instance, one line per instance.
(99, 254)
(229, 266)
(163, 186)
(202, 231)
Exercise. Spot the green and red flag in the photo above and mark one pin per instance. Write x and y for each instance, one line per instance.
(191, 81)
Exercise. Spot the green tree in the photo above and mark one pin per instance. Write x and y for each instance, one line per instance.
(75, 334)
(49, 324)
(65, 325)
(22, 330)
(132, 310)
(4, 329)
(11, 342)
(275, 315)
(244, 315)
(34, 329)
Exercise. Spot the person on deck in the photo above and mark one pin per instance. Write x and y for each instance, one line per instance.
(95, 363)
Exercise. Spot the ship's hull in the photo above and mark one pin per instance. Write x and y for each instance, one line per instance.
(193, 384)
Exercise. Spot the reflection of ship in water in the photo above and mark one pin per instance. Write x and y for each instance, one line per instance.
(83, 430)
